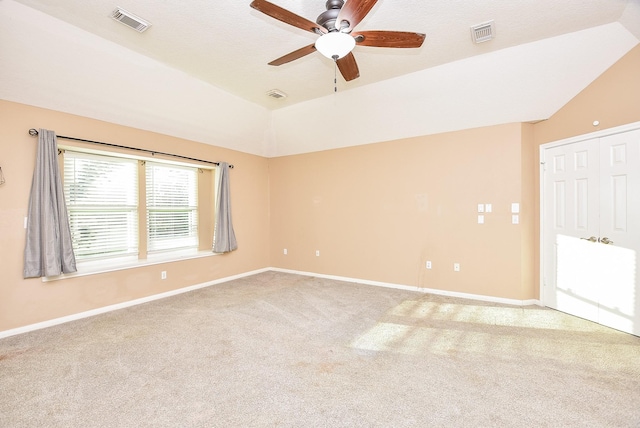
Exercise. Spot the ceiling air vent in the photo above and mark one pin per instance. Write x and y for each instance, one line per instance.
(276, 93)
(130, 20)
(483, 32)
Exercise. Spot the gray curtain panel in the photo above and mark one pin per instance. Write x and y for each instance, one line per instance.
(224, 238)
(48, 250)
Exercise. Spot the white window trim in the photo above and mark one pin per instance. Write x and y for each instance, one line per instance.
(116, 154)
(95, 267)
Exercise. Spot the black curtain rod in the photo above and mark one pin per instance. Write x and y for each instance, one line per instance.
(33, 132)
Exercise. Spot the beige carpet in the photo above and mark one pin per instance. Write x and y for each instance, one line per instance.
(280, 350)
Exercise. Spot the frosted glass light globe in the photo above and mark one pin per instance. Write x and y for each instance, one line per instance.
(335, 44)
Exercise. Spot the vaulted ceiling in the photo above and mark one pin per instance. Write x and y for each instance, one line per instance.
(200, 71)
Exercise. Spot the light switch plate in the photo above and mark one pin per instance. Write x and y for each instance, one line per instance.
(515, 208)
(515, 219)
(480, 208)
(480, 219)
(487, 208)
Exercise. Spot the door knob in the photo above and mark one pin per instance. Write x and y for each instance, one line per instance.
(606, 240)
(592, 239)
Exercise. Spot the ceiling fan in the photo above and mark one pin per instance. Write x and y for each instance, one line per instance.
(337, 38)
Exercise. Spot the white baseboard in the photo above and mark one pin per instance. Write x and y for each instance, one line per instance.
(418, 289)
(98, 311)
(105, 309)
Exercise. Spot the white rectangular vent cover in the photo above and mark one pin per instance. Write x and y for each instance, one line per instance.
(483, 32)
(276, 93)
(130, 20)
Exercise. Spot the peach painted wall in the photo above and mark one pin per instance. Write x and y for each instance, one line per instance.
(379, 212)
(613, 99)
(24, 302)
(529, 238)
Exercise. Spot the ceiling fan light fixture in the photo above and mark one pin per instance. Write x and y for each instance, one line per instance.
(335, 44)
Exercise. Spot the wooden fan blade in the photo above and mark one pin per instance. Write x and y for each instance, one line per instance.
(348, 67)
(285, 16)
(353, 11)
(389, 39)
(294, 55)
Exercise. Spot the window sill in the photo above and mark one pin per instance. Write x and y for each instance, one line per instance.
(105, 266)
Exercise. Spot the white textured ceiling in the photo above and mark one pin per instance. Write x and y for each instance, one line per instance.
(200, 72)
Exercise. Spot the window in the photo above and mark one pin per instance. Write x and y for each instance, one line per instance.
(102, 201)
(124, 207)
(172, 207)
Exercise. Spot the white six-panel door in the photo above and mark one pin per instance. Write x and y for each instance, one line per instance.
(591, 229)
(571, 217)
(620, 225)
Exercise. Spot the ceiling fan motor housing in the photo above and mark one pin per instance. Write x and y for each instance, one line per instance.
(327, 19)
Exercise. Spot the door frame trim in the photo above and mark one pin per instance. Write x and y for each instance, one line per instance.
(570, 140)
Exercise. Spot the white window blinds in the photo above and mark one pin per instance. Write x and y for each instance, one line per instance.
(102, 202)
(172, 207)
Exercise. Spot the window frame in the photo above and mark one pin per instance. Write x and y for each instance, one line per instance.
(206, 197)
(155, 243)
(112, 196)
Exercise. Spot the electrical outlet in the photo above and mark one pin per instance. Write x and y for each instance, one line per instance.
(428, 264)
(317, 253)
(456, 267)
(163, 274)
(285, 251)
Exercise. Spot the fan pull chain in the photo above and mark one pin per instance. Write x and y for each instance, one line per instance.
(335, 73)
